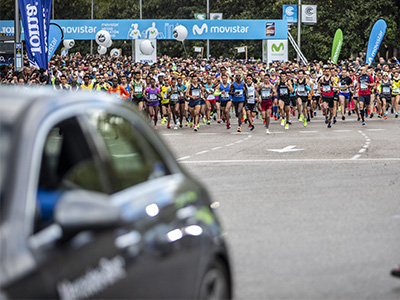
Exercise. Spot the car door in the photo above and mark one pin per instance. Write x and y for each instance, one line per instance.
(76, 265)
(161, 241)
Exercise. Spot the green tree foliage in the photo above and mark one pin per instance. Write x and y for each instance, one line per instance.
(355, 20)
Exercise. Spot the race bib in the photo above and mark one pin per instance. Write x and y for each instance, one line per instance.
(326, 88)
(238, 93)
(386, 90)
(396, 91)
(153, 97)
(265, 94)
(174, 97)
(196, 93)
(138, 89)
(363, 86)
(283, 91)
(301, 89)
(225, 96)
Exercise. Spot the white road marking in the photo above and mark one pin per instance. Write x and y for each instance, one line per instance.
(241, 141)
(170, 134)
(308, 131)
(182, 158)
(216, 148)
(396, 217)
(208, 133)
(375, 129)
(202, 152)
(362, 150)
(342, 130)
(291, 160)
(277, 132)
(229, 145)
(357, 156)
(286, 149)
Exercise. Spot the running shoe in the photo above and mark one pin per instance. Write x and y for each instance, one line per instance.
(349, 113)
(163, 120)
(242, 120)
(267, 131)
(286, 126)
(290, 122)
(371, 115)
(308, 118)
(155, 127)
(204, 120)
(187, 123)
(271, 114)
(397, 115)
(248, 127)
(315, 113)
(391, 110)
(305, 123)
(176, 127)
(326, 120)
(301, 118)
(343, 118)
(208, 122)
(275, 117)
(198, 126)
(283, 122)
(379, 116)
(181, 126)
(396, 272)
(239, 129)
(358, 118)
(252, 128)
(385, 116)
(191, 124)
(329, 125)
(228, 125)
(363, 123)
(215, 117)
(219, 121)
(334, 120)
(168, 126)
(195, 128)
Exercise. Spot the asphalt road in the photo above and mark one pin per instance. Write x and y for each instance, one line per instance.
(310, 213)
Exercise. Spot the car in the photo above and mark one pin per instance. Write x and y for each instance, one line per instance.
(94, 205)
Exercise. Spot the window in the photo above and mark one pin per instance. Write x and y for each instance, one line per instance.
(133, 160)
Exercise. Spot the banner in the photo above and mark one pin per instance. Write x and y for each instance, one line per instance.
(337, 45)
(276, 50)
(163, 29)
(55, 37)
(143, 58)
(375, 39)
(64, 52)
(309, 14)
(289, 13)
(35, 17)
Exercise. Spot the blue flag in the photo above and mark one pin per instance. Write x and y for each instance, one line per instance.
(35, 17)
(375, 39)
(56, 35)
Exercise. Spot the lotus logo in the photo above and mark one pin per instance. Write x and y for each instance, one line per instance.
(102, 38)
(289, 11)
(277, 48)
(199, 31)
(309, 11)
(175, 33)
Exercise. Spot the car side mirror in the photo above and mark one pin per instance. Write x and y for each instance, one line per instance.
(79, 210)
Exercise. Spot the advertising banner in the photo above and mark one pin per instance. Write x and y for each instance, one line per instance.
(309, 14)
(163, 29)
(55, 37)
(276, 50)
(375, 39)
(289, 13)
(141, 57)
(35, 18)
(337, 46)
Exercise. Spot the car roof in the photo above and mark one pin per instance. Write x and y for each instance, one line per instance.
(16, 100)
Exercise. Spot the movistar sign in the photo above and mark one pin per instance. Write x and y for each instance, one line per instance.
(276, 48)
(163, 29)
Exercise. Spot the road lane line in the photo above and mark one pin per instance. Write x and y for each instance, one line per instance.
(202, 152)
(229, 145)
(216, 148)
(308, 131)
(357, 156)
(182, 158)
(291, 160)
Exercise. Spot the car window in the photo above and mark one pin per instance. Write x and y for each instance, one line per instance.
(133, 160)
(67, 163)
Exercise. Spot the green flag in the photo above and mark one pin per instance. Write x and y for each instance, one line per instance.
(337, 45)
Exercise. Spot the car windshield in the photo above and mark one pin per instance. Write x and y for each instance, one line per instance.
(5, 140)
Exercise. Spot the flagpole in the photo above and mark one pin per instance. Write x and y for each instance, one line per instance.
(17, 37)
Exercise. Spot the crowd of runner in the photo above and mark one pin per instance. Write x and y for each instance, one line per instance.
(182, 93)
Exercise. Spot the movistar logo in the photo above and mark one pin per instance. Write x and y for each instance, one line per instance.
(337, 51)
(197, 30)
(277, 48)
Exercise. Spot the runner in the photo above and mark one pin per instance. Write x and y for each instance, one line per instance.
(152, 94)
(238, 91)
(210, 98)
(326, 87)
(86, 86)
(226, 99)
(126, 86)
(173, 96)
(137, 91)
(266, 91)
(385, 94)
(396, 92)
(182, 103)
(117, 90)
(315, 93)
(285, 87)
(364, 93)
(302, 87)
(194, 93)
(344, 95)
(252, 99)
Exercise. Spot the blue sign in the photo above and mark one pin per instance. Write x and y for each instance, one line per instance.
(35, 18)
(163, 29)
(55, 37)
(289, 13)
(375, 39)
